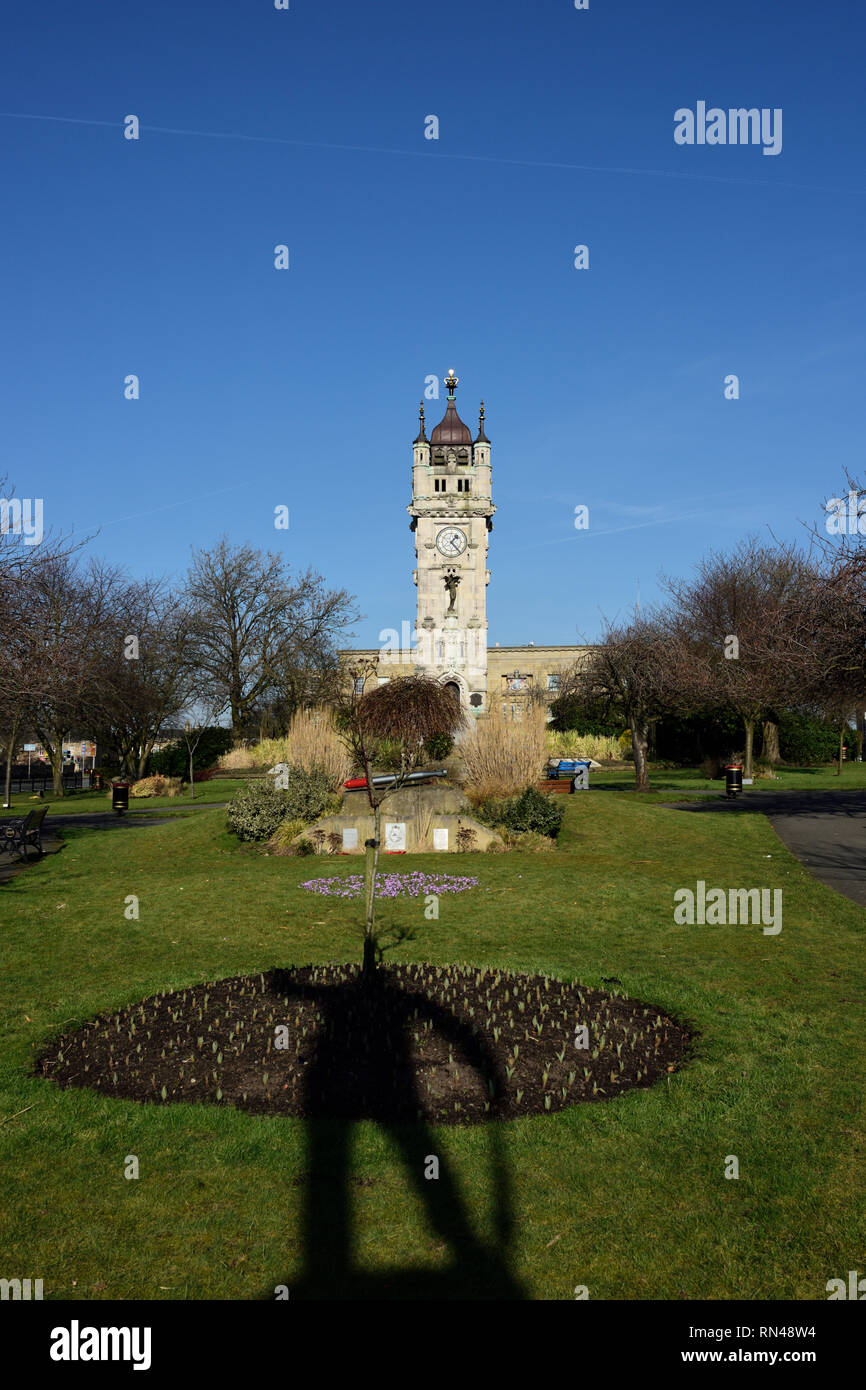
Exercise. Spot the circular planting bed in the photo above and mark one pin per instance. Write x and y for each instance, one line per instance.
(447, 1044)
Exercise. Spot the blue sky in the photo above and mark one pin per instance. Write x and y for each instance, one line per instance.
(602, 387)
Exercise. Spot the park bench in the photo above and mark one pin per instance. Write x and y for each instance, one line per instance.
(24, 831)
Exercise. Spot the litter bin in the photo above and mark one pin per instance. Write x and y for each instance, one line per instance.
(120, 797)
(733, 778)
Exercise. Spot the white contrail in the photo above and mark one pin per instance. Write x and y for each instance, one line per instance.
(438, 154)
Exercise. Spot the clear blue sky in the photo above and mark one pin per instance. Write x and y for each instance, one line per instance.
(408, 256)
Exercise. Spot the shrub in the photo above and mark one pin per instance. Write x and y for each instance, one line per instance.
(237, 760)
(501, 756)
(304, 847)
(256, 810)
(805, 739)
(313, 741)
(308, 794)
(438, 747)
(314, 744)
(173, 760)
(156, 786)
(285, 833)
(335, 842)
(530, 811)
(601, 748)
(524, 840)
(467, 839)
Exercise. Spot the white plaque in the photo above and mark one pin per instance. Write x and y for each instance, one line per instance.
(440, 838)
(350, 839)
(395, 834)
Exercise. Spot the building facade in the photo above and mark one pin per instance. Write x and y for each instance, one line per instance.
(451, 517)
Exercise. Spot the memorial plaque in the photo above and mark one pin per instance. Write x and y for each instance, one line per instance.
(350, 839)
(440, 838)
(395, 834)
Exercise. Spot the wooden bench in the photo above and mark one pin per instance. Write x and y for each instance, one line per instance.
(25, 831)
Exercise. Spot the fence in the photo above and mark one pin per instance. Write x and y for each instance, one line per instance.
(39, 782)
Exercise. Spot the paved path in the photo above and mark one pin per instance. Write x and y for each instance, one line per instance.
(826, 830)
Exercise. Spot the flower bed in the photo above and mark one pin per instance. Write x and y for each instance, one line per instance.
(391, 885)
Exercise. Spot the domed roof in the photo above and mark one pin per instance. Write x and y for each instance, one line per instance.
(451, 429)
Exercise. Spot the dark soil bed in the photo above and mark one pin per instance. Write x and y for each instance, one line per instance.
(447, 1044)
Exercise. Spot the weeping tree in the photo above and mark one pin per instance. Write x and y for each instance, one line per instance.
(406, 711)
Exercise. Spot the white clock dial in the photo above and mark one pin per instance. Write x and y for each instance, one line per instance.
(451, 541)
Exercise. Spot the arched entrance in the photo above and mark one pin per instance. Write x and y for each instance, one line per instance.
(453, 690)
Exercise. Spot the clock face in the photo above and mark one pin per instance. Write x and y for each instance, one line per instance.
(451, 541)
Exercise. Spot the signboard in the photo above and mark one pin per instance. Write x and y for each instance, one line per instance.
(395, 835)
(440, 838)
(30, 748)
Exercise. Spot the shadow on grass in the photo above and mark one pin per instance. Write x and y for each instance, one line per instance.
(337, 1094)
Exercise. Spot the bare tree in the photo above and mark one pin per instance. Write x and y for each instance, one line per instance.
(407, 710)
(149, 673)
(736, 617)
(255, 622)
(635, 674)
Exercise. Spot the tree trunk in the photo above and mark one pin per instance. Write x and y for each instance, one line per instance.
(370, 867)
(639, 742)
(10, 753)
(191, 775)
(771, 753)
(56, 756)
(750, 743)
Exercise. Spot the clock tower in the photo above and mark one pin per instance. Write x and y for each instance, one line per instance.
(451, 511)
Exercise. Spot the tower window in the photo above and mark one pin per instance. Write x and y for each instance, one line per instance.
(462, 484)
(440, 485)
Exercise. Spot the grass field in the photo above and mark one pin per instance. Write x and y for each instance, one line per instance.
(627, 1197)
(77, 803)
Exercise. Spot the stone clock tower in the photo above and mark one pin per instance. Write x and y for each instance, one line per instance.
(451, 511)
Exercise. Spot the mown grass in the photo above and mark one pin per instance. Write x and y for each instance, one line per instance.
(77, 803)
(666, 779)
(627, 1197)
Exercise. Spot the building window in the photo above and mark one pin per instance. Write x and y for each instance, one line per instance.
(359, 685)
(440, 650)
(553, 680)
(462, 484)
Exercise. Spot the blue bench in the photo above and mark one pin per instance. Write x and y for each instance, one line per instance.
(566, 767)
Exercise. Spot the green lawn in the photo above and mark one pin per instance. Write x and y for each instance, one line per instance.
(627, 1197)
(822, 778)
(76, 803)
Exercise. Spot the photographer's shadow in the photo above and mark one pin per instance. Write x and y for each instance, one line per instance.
(337, 1094)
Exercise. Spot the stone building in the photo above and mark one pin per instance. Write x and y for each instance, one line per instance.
(451, 517)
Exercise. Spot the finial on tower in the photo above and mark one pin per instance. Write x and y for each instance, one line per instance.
(451, 382)
(421, 437)
(482, 437)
